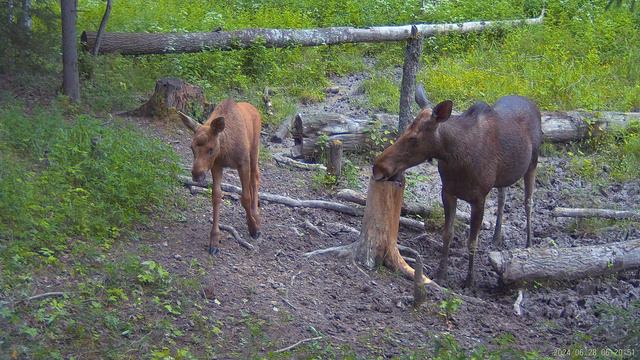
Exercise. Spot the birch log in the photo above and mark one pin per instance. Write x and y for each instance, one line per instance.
(565, 263)
(600, 213)
(168, 43)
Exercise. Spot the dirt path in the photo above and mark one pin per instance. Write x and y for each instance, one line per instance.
(273, 297)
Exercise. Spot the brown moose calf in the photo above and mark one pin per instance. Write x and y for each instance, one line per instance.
(486, 147)
(230, 138)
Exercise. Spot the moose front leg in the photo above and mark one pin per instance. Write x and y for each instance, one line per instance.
(449, 202)
(477, 213)
(497, 234)
(216, 201)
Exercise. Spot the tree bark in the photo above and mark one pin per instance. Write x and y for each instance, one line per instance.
(71, 77)
(562, 127)
(173, 94)
(355, 134)
(334, 158)
(101, 29)
(565, 263)
(600, 213)
(150, 43)
(282, 132)
(25, 19)
(412, 54)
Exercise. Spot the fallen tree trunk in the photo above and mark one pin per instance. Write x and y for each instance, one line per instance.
(167, 43)
(600, 213)
(565, 263)
(557, 127)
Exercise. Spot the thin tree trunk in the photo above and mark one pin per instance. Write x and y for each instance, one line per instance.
(71, 78)
(25, 19)
(166, 43)
(411, 67)
(565, 263)
(10, 16)
(101, 29)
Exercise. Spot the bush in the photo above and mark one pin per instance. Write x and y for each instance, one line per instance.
(68, 183)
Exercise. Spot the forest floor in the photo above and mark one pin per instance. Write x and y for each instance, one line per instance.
(273, 297)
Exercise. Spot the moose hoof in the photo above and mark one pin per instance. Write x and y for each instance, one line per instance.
(214, 250)
(256, 236)
(469, 283)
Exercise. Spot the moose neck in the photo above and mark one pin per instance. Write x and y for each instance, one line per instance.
(452, 143)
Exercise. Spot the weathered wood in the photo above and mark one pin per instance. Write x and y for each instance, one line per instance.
(172, 95)
(355, 134)
(283, 131)
(412, 54)
(281, 159)
(334, 158)
(565, 263)
(600, 213)
(167, 43)
(266, 98)
(561, 127)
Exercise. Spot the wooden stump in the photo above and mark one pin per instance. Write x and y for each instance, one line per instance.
(334, 158)
(565, 263)
(173, 94)
(378, 242)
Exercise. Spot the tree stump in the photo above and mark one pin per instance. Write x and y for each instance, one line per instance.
(334, 158)
(378, 242)
(173, 94)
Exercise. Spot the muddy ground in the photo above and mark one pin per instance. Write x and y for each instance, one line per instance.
(297, 298)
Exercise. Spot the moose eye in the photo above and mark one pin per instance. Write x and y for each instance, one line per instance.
(210, 152)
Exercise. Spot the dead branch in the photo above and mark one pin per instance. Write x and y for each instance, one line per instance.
(280, 159)
(297, 344)
(517, 310)
(236, 235)
(315, 204)
(313, 228)
(600, 213)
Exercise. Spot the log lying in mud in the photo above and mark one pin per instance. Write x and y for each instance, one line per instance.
(599, 213)
(357, 134)
(565, 263)
(168, 43)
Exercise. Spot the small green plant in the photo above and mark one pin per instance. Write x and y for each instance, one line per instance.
(449, 306)
(350, 174)
(152, 273)
(322, 180)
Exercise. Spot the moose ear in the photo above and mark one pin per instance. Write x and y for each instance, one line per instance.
(188, 121)
(217, 125)
(442, 111)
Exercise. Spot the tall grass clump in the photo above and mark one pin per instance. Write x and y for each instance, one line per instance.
(64, 183)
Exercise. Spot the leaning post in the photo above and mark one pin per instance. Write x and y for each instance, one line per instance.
(412, 54)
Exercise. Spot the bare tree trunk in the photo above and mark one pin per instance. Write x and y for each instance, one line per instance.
(172, 94)
(565, 263)
(71, 78)
(101, 29)
(411, 67)
(25, 19)
(334, 158)
(10, 16)
(150, 43)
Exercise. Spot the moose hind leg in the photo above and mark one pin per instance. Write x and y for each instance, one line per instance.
(497, 234)
(477, 213)
(529, 185)
(247, 200)
(449, 202)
